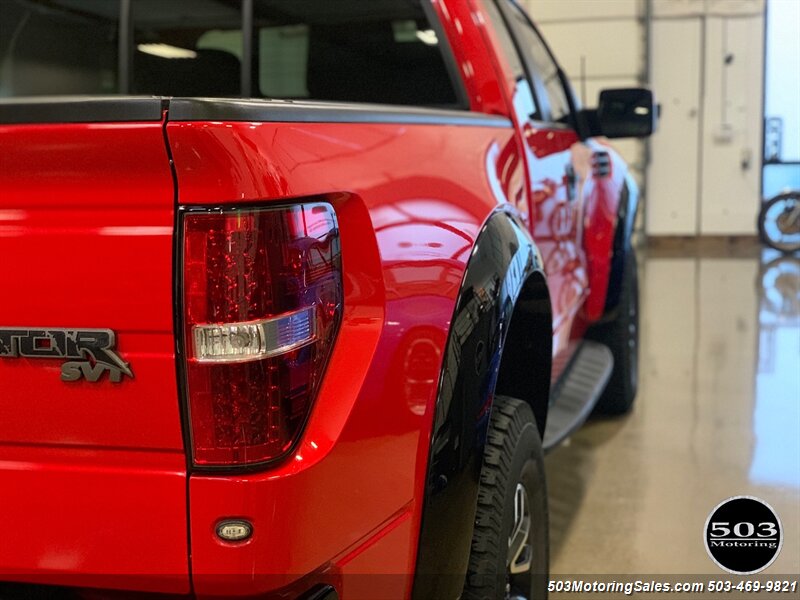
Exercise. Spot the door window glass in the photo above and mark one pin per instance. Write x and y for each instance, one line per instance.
(550, 91)
(523, 99)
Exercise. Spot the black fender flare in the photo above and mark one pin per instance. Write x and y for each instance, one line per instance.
(504, 278)
(626, 219)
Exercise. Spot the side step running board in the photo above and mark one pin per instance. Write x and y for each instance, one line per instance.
(576, 393)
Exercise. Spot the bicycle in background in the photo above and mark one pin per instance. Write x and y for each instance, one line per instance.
(779, 222)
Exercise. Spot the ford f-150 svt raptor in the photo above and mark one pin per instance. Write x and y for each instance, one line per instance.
(294, 294)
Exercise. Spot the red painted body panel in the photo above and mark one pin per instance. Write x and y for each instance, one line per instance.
(574, 229)
(86, 220)
(599, 227)
(99, 518)
(407, 230)
(476, 67)
(555, 227)
(97, 469)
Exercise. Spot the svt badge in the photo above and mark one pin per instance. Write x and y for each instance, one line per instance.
(91, 351)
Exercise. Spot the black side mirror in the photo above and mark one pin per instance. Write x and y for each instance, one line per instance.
(626, 112)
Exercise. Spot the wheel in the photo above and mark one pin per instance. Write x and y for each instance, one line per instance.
(779, 222)
(780, 287)
(621, 335)
(509, 556)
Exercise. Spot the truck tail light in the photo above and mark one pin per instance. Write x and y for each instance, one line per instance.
(262, 301)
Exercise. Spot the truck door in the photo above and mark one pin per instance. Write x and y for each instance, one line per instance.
(557, 163)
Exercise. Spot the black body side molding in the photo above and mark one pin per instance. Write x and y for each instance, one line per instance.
(504, 271)
(626, 217)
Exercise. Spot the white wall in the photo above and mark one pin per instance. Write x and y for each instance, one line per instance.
(673, 185)
(783, 71)
(732, 124)
(707, 68)
(704, 171)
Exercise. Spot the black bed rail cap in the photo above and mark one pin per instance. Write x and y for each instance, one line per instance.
(303, 111)
(80, 109)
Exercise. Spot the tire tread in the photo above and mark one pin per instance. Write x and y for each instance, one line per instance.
(509, 418)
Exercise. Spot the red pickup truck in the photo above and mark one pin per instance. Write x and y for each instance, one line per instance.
(295, 293)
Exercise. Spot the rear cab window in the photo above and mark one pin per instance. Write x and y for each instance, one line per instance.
(381, 51)
(68, 47)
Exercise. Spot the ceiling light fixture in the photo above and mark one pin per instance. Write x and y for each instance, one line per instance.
(166, 51)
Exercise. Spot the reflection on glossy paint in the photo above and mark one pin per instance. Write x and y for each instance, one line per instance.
(135, 231)
(422, 230)
(424, 244)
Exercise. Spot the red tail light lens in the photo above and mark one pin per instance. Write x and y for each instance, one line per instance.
(262, 296)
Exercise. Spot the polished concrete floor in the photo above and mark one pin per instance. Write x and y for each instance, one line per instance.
(717, 415)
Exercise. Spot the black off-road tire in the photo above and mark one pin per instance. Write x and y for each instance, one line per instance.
(621, 335)
(513, 456)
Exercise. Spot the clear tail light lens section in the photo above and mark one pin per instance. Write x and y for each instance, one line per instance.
(242, 342)
(262, 298)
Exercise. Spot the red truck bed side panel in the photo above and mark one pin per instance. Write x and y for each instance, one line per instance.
(92, 474)
(410, 200)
